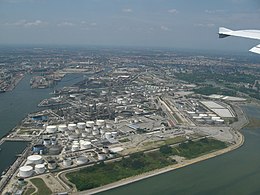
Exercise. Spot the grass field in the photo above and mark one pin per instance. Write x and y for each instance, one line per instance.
(41, 186)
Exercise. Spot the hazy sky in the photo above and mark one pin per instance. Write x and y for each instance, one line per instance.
(164, 23)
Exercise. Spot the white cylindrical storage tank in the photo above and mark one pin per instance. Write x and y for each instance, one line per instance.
(34, 159)
(39, 168)
(215, 118)
(51, 128)
(96, 132)
(52, 164)
(84, 134)
(85, 145)
(73, 137)
(114, 134)
(100, 122)
(62, 128)
(75, 147)
(53, 141)
(67, 162)
(108, 135)
(81, 125)
(88, 129)
(90, 123)
(102, 131)
(81, 160)
(78, 131)
(25, 171)
(72, 126)
(105, 149)
(101, 156)
(108, 126)
(47, 142)
(220, 121)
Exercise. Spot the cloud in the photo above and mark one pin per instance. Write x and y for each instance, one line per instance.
(127, 10)
(26, 23)
(173, 11)
(34, 23)
(164, 28)
(66, 24)
(214, 11)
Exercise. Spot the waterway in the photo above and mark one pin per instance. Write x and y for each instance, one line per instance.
(236, 172)
(16, 105)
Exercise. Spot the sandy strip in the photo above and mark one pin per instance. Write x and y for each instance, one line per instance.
(239, 142)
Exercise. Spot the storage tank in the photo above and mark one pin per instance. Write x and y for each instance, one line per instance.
(95, 132)
(101, 156)
(25, 171)
(81, 125)
(114, 134)
(40, 168)
(54, 150)
(75, 147)
(105, 149)
(81, 160)
(34, 159)
(108, 135)
(108, 126)
(72, 126)
(84, 134)
(102, 131)
(62, 128)
(51, 128)
(85, 145)
(90, 123)
(215, 118)
(67, 162)
(38, 147)
(73, 137)
(88, 129)
(52, 164)
(100, 122)
(47, 142)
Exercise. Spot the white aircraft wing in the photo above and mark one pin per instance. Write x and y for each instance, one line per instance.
(251, 34)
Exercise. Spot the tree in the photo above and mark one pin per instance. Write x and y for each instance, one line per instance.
(166, 149)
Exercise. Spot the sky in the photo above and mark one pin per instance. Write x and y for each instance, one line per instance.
(191, 24)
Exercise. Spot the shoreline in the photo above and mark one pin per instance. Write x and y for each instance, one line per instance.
(239, 143)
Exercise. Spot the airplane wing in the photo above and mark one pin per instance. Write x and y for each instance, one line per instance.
(251, 34)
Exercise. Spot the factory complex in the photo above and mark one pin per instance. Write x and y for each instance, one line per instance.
(110, 115)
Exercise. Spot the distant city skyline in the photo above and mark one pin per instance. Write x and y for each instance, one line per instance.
(143, 23)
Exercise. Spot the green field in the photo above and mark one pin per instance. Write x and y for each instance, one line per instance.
(101, 174)
(193, 149)
(138, 163)
(41, 186)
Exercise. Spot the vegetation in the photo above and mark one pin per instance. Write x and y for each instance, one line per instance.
(41, 186)
(29, 191)
(201, 77)
(193, 149)
(209, 89)
(138, 163)
(101, 174)
(124, 140)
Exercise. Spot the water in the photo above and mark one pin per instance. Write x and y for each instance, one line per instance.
(237, 172)
(8, 148)
(16, 105)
